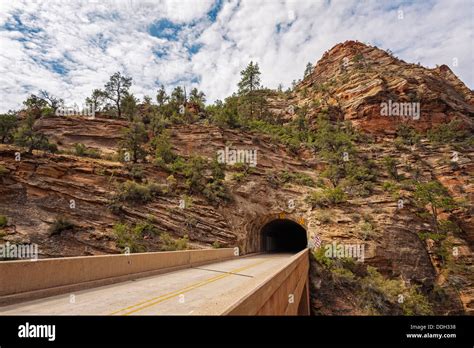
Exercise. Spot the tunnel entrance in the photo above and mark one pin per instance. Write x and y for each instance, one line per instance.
(283, 235)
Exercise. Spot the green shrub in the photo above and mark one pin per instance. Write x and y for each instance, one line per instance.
(216, 192)
(239, 177)
(380, 295)
(326, 197)
(84, 151)
(320, 256)
(407, 135)
(324, 217)
(182, 243)
(128, 237)
(134, 192)
(3, 221)
(390, 165)
(436, 197)
(448, 133)
(297, 178)
(170, 244)
(366, 230)
(216, 245)
(136, 171)
(26, 135)
(59, 225)
(3, 170)
(389, 186)
(430, 235)
(171, 182)
(448, 226)
(163, 149)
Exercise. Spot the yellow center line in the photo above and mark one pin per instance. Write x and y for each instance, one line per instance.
(175, 293)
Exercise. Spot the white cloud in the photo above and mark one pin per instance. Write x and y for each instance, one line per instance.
(89, 40)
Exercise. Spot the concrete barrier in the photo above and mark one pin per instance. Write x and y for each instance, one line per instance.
(272, 297)
(26, 280)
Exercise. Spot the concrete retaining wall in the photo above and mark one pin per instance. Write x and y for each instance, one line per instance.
(26, 280)
(273, 296)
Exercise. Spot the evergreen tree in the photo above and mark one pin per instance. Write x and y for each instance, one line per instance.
(8, 123)
(248, 85)
(53, 102)
(178, 96)
(436, 196)
(97, 99)
(134, 138)
(27, 136)
(197, 97)
(116, 89)
(35, 105)
(129, 106)
(161, 96)
(308, 70)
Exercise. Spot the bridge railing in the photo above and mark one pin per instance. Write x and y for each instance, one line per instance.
(28, 280)
(282, 293)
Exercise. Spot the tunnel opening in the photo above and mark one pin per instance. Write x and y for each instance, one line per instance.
(283, 235)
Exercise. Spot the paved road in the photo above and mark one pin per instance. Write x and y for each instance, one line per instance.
(208, 289)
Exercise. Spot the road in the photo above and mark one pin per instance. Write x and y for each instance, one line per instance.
(204, 290)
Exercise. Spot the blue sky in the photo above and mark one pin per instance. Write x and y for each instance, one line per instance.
(72, 47)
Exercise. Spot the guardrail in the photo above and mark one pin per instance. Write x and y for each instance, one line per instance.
(282, 293)
(28, 280)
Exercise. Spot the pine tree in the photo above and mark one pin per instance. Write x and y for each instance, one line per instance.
(27, 136)
(308, 70)
(249, 84)
(197, 97)
(7, 125)
(97, 99)
(178, 96)
(116, 89)
(129, 106)
(161, 96)
(134, 138)
(436, 196)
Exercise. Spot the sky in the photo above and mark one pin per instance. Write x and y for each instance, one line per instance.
(70, 47)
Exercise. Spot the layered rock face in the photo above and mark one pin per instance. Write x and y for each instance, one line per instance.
(350, 82)
(353, 80)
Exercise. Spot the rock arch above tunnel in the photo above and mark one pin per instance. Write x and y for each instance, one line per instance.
(283, 235)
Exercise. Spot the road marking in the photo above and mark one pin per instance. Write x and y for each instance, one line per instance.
(164, 297)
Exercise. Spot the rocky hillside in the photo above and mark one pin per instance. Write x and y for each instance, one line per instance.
(81, 202)
(352, 80)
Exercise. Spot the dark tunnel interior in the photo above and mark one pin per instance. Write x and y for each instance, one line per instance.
(283, 236)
